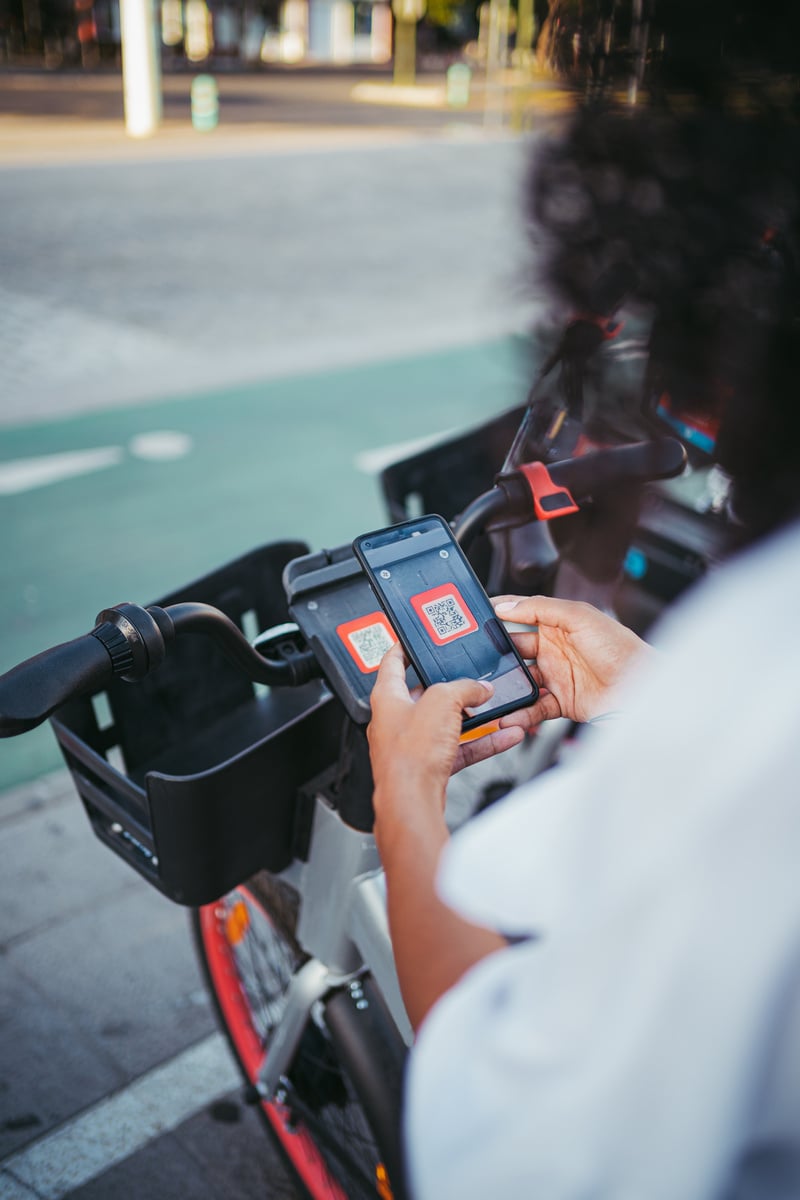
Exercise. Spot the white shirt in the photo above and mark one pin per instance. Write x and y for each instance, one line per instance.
(646, 1043)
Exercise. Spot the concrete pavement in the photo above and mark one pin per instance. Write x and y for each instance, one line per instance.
(48, 117)
(100, 986)
(150, 269)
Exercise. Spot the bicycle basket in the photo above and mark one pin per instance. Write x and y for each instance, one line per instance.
(446, 477)
(192, 776)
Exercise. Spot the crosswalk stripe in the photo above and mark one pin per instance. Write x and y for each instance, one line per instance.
(116, 1127)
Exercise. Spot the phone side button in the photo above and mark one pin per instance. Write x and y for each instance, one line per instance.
(498, 635)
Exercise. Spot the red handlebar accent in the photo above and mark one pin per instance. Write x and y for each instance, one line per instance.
(549, 499)
(607, 325)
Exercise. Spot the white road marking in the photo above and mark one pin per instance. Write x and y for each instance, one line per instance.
(25, 474)
(372, 462)
(115, 1128)
(163, 446)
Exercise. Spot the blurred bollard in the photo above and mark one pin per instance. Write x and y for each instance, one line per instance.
(459, 78)
(141, 67)
(205, 103)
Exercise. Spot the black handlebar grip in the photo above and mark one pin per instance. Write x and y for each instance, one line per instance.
(638, 462)
(30, 692)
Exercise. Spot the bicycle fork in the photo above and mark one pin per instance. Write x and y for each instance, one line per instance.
(349, 983)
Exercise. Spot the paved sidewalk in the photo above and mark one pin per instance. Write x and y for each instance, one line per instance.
(47, 118)
(134, 271)
(38, 141)
(114, 1081)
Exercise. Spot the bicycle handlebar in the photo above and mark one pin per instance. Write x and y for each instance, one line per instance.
(129, 642)
(30, 692)
(512, 498)
(300, 667)
(638, 462)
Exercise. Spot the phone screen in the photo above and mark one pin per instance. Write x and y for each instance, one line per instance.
(442, 614)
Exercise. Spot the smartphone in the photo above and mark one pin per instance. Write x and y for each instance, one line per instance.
(441, 614)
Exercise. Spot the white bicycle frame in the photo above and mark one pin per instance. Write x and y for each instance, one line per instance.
(343, 923)
(343, 926)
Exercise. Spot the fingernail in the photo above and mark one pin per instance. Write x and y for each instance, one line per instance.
(506, 606)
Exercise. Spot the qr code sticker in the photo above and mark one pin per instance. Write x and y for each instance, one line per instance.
(367, 639)
(444, 613)
(371, 644)
(447, 617)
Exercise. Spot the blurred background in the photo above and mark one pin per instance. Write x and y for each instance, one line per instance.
(251, 251)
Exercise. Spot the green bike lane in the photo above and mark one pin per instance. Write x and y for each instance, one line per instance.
(129, 504)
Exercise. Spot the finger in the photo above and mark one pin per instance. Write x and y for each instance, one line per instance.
(524, 632)
(459, 694)
(444, 705)
(526, 643)
(390, 695)
(546, 708)
(540, 610)
(486, 747)
(508, 599)
(391, 677)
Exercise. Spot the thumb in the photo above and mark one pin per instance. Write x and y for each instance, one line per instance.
(460, 694)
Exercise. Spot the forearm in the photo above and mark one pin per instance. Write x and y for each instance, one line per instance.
(433, 945)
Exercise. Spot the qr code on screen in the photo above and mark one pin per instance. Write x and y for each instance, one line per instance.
(370, 644)
(446, 616)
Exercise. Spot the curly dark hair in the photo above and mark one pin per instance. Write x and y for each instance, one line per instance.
(695, 199)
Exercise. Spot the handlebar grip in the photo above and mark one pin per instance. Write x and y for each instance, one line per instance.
(129, 642)
(511, 500)
(30, 692)
(639, 462)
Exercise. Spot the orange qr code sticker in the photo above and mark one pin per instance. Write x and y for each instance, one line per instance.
(444, 613)
(367, 639)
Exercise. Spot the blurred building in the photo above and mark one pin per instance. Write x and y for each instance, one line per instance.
(87, 32)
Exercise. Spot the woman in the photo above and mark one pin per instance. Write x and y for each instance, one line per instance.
(604, 968)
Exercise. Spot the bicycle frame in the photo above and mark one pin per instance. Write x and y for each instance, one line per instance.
(343, 926)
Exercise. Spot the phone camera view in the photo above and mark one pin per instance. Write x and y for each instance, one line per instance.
(442, 613)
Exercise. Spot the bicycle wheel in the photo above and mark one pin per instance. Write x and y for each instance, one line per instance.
(248, 951)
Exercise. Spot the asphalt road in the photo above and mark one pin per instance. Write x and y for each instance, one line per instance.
(279, 307)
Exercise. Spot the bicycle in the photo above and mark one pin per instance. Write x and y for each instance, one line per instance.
(253, 807)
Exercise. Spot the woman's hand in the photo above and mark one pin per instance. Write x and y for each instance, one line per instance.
(414, 747)
(581, 656)
(414, 740)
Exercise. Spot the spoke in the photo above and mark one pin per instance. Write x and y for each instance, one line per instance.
(336, 1146)
(318, 1094)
